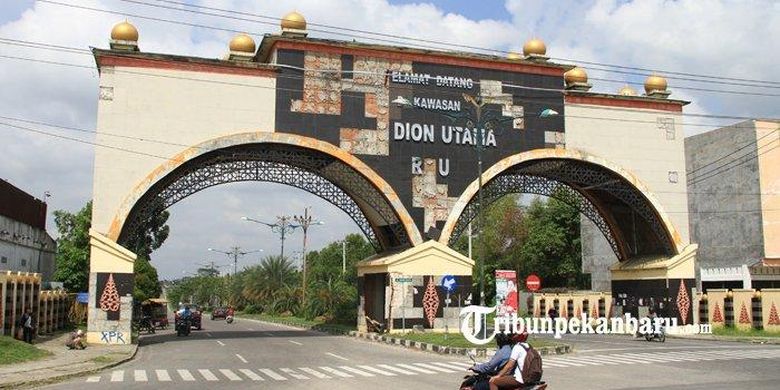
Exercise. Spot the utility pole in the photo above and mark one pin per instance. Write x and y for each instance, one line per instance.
(304, 221)
(283, 226)
(343, 257)
(234, 252)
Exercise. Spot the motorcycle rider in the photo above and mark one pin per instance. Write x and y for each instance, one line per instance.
(185, 314)
(516, 360)
(503, 351)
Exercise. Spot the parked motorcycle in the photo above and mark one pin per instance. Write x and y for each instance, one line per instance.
(146, 325)
(183, 327)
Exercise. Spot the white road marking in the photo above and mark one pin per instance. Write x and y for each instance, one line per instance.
(241, 358)
(418, 369)
(93, 379)
(396, 369)
(185, 375)
(220, 343)
(140, 376)
(293, 373)
(118, 376)
(313, 372)
(251, 375)
(602, 360)
(272, 374)
(208, 375)
(336, 372)
(230, 374)
(436, 368)
(355, 371)
(295, 342)
(162, 375)
(209, 334)
(376, 370)
(457, 367)
(462, 364)
(336, 356)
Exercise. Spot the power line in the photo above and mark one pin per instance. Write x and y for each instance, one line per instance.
(341, 28)
(717, 79)
(748, 144)
(701, 179)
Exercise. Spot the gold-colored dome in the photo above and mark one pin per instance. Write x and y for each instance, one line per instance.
(514, 56)
(655, 82)
(627, 91)
(294, 21)
(534, 46)
(242, 43)
(124, 32)
(576, 75)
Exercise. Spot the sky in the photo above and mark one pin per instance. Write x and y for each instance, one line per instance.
(725, 38)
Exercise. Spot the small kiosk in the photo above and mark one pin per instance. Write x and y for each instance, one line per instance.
(421, 287)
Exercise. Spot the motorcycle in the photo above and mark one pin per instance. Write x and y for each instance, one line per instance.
(229, 319)
(659, 334)
(183, 327)
(146, 325)
(470, 381)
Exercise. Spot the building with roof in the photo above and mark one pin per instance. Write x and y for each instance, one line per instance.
(25, 246)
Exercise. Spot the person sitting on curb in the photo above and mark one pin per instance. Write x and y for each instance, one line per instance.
(76, 340)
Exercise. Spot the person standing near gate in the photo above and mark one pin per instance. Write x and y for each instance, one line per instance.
(27, 327)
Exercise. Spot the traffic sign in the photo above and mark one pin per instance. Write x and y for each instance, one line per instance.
(448, 282)
(533, 283)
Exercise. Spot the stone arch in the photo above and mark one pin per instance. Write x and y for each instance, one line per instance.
(600, 187)
(306, 163)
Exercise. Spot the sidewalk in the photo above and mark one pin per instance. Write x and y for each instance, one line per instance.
(63, 363)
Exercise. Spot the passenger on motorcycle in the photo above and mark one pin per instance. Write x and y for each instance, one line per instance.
(516, 360)
(503, 351)
(185, 313)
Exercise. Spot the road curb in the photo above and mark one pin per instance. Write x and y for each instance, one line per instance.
(61, 377)
(751, 340)
(403, 343)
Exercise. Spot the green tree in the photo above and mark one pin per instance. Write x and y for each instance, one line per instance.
(147, 283)
(73, 248)
(72, 257)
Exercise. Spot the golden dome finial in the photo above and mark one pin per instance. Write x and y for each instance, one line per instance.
(654, 82)
(242, 43)
(627, 91)
(124, 31)
(293, 21)
(534, 46)
(575, 75)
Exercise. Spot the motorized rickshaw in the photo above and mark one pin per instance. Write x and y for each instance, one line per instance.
(157, 309)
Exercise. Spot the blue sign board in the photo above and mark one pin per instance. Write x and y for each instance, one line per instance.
(448, 282)
(82, 297)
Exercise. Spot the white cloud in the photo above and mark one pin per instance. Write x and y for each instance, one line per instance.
(719, 37)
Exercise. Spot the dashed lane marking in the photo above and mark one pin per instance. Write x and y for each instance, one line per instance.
(336, 356)
(185, 375)
(314, 373)
(230, 374)
(251, 375)
(294, 342)
(272, 374)
(162, 375)
(241, 358)
(208, 375)
(220, 343)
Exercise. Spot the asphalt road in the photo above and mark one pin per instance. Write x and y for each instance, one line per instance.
(249, 354)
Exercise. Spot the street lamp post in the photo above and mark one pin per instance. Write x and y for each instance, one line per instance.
(283, 226)
(304, 221)
(235, 252)
(477, 126)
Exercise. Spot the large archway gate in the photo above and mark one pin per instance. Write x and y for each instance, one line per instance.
(317, 115)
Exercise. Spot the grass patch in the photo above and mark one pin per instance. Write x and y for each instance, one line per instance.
(734, 332)
(14, 351)
(457, 340)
